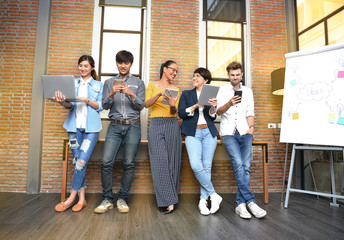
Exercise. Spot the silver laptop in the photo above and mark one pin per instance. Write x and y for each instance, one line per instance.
(62, 83)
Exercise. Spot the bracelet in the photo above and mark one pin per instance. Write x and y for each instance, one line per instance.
(251, 126)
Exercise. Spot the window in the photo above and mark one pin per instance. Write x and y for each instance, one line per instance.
(121, 29)
(224, 45)
(319, 23)
(224, 36)
(122, 24)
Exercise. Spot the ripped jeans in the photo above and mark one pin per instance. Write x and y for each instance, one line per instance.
(82, 145)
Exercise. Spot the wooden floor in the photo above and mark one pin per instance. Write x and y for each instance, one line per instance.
(32, 216)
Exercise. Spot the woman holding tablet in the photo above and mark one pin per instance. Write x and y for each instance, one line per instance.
(165, 142)
(201, 137)
(83, 125)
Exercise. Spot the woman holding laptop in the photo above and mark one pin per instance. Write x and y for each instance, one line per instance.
(201, 137)
(83, 125)
(165, 142)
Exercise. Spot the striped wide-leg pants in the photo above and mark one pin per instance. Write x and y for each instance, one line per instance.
(165, 149)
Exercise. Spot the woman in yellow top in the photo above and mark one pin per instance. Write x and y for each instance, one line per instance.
(165, 142)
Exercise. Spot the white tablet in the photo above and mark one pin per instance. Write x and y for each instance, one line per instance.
(208, 92)
(173, 92)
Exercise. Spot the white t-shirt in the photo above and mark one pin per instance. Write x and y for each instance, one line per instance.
(236, 116)
(201, 119)
(81, 110)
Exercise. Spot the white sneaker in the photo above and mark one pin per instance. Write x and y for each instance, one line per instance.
(216, 200)
(122, 206)
(104, 206)
(256, 210)
(203, 207)
(242, 211)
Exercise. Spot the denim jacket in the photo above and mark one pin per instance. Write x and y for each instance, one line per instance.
(93, 122)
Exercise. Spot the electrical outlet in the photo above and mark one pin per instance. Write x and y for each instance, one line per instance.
(271, 125)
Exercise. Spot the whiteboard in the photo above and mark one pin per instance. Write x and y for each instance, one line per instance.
(313, 101)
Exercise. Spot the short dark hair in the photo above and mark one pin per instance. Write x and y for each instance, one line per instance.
(205, 73)
(165, 64)
(124, 57)
(234, 66)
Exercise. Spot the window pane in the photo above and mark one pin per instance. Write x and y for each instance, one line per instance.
(311, 11)
(224, 10)
(312, 38)
(336, 28)
(115, 42)
(220, 54)
(223, 29)
(118, 18)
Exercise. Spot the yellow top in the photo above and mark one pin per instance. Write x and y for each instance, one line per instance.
(158, 108)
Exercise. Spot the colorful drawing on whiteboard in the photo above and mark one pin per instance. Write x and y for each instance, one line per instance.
(332, 117)
(293, 83)
(340, 74)
(293, 111)
(340, 121)
(295, 115)
(336, 109)
(314, 91)
(313, 102)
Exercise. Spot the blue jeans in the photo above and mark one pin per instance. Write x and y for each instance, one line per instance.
(129, 136)
(82, 145)
(201, 149)
(239, 149)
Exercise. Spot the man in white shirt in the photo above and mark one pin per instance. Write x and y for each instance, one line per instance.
(236, 130)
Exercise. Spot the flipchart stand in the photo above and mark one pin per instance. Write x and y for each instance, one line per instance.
(333, 186)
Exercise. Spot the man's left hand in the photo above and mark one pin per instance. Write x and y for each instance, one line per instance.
(126, 90)
(250, 130)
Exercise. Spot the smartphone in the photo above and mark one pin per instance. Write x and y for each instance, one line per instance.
(238, 93)
(118, 82)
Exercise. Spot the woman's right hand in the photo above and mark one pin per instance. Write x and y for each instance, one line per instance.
(59, 97)
(194, 107)
(170, 99)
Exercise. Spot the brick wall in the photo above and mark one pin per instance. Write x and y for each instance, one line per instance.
(269, 44)
(174, 35)
(70, 37)
(18, 21)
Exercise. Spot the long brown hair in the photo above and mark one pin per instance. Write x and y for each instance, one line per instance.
(90, 60)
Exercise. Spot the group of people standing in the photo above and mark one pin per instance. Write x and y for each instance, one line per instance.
(125, 96)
